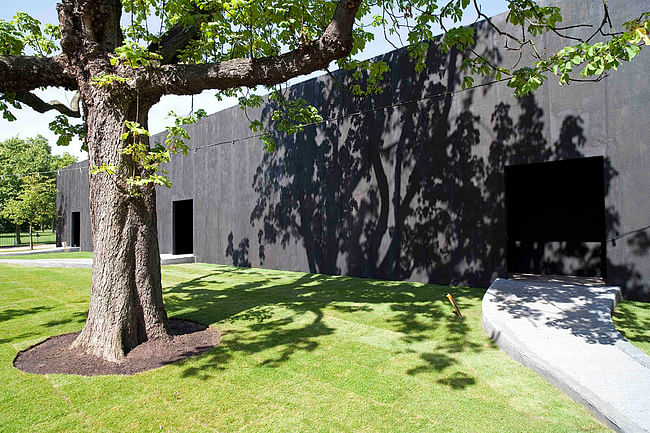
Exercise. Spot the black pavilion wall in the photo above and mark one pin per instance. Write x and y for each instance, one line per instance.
(72, 196)
(415, 192)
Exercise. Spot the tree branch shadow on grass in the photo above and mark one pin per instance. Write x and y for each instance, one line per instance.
(458, 380)
(416, 195)
(630, 325)
(12, 313)
(15, 313)
(79, 317)
(278, 319)
(456, 342)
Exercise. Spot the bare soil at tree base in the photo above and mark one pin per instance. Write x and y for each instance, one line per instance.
(54, 355)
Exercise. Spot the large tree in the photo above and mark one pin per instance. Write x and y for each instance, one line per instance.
(122, 70)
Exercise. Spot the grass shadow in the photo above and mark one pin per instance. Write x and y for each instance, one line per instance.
(632, 320)
(271, 316)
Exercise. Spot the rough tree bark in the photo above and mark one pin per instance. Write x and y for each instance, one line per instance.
(126, 306)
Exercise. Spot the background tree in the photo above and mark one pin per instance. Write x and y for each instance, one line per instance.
(231, 46)
(19, 156)
(23, 156)
(35, 204)
(58, 162)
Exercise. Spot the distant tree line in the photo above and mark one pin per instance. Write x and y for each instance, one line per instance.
(28, 184)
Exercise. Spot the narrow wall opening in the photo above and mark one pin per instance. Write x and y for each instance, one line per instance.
(75, 240)
(556, 218)
(183, 229)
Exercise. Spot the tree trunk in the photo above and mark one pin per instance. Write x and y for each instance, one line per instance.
(126, 305)
(126, 293)
(31, 242)
(17, 234)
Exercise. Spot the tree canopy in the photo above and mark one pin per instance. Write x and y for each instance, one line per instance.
(34, 204)
(176, 45)
(22, 158)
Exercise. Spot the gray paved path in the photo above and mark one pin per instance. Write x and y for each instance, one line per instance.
(165, 259)
(563, 330)
(38, 249)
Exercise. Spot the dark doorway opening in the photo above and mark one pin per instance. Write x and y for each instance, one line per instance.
(556, 218)
(76, 229)
(183, 242)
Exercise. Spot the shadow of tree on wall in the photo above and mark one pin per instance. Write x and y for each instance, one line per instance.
(61, 223)
(412, 192)
(408, 192)
(639, 243)
(240, 253)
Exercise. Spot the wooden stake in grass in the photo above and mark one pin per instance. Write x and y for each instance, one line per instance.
(451, 299)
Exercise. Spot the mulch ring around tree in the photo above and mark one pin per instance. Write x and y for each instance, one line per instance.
(54, 355)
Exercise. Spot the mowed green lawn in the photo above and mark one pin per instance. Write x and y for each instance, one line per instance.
(44, 237)
(632, 319)
(75, 255)
(300, 353)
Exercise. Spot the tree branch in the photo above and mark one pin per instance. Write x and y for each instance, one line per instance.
(335, 43)
(606, 20)
(40, 106)
(174, 40)
(25, 73)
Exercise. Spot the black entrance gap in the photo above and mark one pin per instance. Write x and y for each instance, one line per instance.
(183, 229)
(556, 218)
(76, 229)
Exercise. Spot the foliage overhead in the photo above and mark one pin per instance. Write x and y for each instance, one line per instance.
(156, 33)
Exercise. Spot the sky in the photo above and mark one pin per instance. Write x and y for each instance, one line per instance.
(31, 123)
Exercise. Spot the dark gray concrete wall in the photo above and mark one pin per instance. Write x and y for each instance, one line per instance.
(617, 125)
(72, 196)
(416, 191)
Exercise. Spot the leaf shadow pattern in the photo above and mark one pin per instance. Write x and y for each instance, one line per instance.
(419, 190)
(77, 317)
(409, 192)
(640, 243)
(631, 325)
(434, 361)
(13, 313)
(458, 380)
(240, 254)
(269, 320)
(292, 340)
(563, 305)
